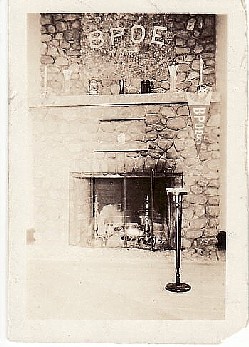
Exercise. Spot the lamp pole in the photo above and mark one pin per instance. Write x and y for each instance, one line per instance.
(176, 195)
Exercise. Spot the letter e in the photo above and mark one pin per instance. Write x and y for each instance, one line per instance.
(156, 36)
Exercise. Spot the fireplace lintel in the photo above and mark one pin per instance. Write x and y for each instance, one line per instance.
(82, 175)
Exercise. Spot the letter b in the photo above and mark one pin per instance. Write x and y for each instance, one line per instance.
(96, 39)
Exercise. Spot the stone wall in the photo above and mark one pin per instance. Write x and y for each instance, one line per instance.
(168, 134)
(66, 46)
(65, 141)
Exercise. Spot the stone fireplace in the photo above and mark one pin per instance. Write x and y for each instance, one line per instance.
(162, 142)
(97, 153)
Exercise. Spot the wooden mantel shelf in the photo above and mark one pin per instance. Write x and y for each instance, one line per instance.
(113, 100)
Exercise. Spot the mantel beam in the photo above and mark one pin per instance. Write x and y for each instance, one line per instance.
(123, 100)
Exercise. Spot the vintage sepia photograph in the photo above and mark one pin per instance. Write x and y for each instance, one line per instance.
(120, 197)
(127, 145)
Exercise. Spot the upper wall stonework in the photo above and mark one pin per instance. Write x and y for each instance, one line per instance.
(148, 44)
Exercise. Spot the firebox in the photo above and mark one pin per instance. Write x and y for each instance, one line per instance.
(122, 210)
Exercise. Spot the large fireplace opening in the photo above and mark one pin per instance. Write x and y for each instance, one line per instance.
(122, 210)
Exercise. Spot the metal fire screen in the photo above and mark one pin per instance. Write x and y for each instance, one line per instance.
(131, 209)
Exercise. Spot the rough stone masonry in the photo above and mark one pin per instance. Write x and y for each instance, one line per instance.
(67, 138)
(67, 44)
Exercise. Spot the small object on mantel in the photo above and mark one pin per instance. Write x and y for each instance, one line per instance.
(93, 87)
(121, 86)
(115, 89)
(172, 72)
(146, 86)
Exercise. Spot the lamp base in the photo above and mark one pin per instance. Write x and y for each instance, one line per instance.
(178, 287)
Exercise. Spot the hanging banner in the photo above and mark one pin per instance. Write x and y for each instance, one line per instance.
(199, 104)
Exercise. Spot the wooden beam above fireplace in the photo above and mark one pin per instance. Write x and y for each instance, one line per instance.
(121, 100)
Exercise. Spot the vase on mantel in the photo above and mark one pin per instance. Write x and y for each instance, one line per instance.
(115, 88)
(172, 72)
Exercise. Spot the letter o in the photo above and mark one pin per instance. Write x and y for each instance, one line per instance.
(136, 27)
